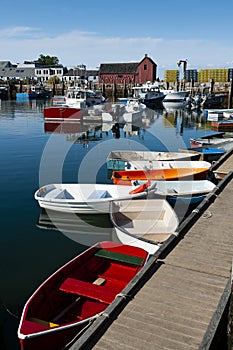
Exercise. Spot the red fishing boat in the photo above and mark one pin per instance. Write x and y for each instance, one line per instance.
(62, 113)
(71, 105)
(76, 294)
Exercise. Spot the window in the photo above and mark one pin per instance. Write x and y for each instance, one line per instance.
(145, 66)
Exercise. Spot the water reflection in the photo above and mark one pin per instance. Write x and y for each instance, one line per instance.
(83, 229)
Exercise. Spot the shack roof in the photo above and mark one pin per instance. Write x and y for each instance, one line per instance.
(119, 68)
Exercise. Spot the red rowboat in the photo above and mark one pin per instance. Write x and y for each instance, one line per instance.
(76, 294)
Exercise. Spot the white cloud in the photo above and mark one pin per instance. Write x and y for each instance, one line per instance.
(75, 47)
(20, 31)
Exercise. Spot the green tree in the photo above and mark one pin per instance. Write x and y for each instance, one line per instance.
(54, 80)
(48, 60)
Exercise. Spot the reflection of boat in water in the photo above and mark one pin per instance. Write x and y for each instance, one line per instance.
(63, 128)
(174, 105)
(84, 229)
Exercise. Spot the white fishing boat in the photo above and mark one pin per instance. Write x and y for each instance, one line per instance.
(149, 94)
(144, 223)
(173, 96)
(116, 159)
(84, 198)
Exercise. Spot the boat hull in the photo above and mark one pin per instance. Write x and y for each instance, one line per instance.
(61, 113)
(116, 159)
(210, 154)
(181, 192)
(175, 96)
(185, 200)
(160, 174)
(154, 102)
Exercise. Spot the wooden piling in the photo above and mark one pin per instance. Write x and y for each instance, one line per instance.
(230, 94)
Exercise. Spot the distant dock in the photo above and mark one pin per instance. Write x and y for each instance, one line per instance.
(180, 300)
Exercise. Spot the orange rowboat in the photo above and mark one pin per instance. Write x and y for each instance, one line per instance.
(125, 176)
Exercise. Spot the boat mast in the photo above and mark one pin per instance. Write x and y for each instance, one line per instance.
(183, 78)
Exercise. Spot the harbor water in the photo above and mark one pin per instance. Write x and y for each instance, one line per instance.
(34, 153)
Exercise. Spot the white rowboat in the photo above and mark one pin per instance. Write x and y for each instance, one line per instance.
(144, 223)
(83, 198)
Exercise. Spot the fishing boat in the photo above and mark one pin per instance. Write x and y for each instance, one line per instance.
(213, 100)
(85, 198)
(3, 93)
(76, 294)
(223, 125)
(183, 192)
(149, 94)
(146, 223)
(72, 104)
(126, 176)
(116, 159)
(34, 92)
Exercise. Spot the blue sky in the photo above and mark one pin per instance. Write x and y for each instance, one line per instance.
(95, 32)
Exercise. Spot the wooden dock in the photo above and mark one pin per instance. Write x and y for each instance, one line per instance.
(177, 301)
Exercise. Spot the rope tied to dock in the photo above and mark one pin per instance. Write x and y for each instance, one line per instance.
(122, 295)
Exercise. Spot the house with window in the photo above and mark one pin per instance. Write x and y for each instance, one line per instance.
(10, 71)
(44, 73)
(81, 75)
(126, 73)
(29, 70)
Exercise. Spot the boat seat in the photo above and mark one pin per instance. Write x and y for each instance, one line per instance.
(130, 259)
(89, 290)
(64, 194)
(99, 194)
